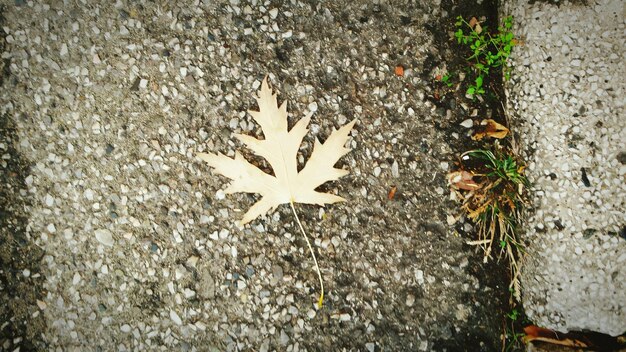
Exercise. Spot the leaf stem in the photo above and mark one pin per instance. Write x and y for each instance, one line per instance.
(317, 268)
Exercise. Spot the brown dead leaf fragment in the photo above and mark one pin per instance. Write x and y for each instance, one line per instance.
(462, 180)
(472, 22)
(592, 340)
(399, 71)
(392, 192)
(475, 25)
(490, 128)
(478, 29)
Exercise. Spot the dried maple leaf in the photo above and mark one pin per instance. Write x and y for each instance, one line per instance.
(280, 148)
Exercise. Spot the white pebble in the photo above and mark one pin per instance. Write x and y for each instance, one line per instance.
(76, 279)
(105, 237)
(88, 194)
(395, 172)
(175, 318)
(419, 276)
(189, 293)
(49, 200)
(410, 299)
(41, 304)
(467, 123)
(451, 220)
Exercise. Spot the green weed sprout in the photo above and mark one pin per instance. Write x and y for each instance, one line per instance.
(487, 51)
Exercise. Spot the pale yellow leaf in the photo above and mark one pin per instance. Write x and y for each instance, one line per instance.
(280, 149)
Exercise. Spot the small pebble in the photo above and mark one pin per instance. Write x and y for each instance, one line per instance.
(175, 318)
(395, 172)
(105, 237)
(410, 300)
(467, 123)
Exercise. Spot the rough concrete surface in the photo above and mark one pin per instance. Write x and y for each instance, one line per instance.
(107, 104)
(567, 100)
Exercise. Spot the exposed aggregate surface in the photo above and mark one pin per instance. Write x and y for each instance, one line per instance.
(109, 103)
(567, 102)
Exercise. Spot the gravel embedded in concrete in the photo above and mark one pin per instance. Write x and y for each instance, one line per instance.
(567, 99)
(112, 100)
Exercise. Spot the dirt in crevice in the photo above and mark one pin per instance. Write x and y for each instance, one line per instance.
(452, 56)
(452, 103)
(21, 279)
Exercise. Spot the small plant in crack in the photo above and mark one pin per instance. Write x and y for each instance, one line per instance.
(447, 79)
(513, 339)
(488, 51)
(444, 81)
(513, 315)
(491, 186)
(477, 87)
